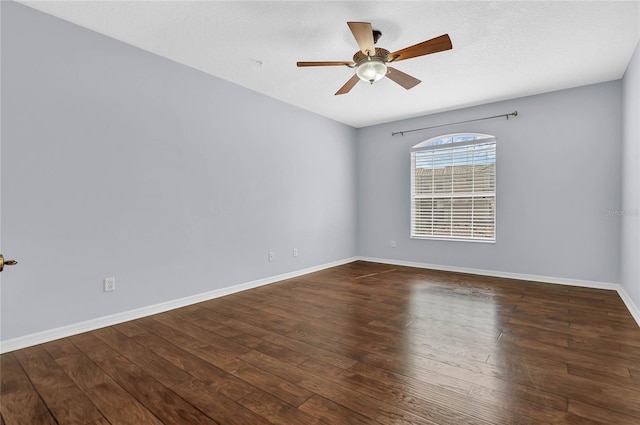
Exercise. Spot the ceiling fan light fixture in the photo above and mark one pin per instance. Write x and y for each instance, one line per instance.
(371, 62)
(371, 70)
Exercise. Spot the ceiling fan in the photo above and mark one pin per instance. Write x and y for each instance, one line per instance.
(371, 62)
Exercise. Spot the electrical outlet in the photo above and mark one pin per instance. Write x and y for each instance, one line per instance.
(272, 256)
(393, 244)
(295, 252)
(109, 284)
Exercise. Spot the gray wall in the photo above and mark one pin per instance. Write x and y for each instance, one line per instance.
(117, 162)
(630, 213)
(558, 174)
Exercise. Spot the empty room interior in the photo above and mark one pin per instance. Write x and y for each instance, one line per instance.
(307, 212)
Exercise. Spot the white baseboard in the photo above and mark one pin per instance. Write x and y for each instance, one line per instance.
(114, 319)
(633, 309)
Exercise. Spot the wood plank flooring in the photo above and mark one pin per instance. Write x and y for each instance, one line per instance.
(362, 343)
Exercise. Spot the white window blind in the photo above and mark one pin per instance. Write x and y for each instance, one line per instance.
(453, 188)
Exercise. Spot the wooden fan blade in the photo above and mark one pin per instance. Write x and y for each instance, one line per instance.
(405, 80)
(325, 63)
(435, 45)
(363, 33)
(349, 85)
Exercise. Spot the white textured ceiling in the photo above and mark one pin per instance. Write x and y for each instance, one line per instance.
(501, 49)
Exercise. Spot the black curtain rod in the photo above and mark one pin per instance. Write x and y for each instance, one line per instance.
(514, 113)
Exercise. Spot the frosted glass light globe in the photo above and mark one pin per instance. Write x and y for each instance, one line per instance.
(371, 70)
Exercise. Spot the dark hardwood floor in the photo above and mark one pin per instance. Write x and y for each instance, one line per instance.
(362, 343)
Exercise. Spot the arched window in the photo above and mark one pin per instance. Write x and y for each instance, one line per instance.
(453, 188)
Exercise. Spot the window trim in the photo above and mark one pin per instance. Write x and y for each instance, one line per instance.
(429, 145)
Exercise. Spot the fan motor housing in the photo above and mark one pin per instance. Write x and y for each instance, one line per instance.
(380, 53)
